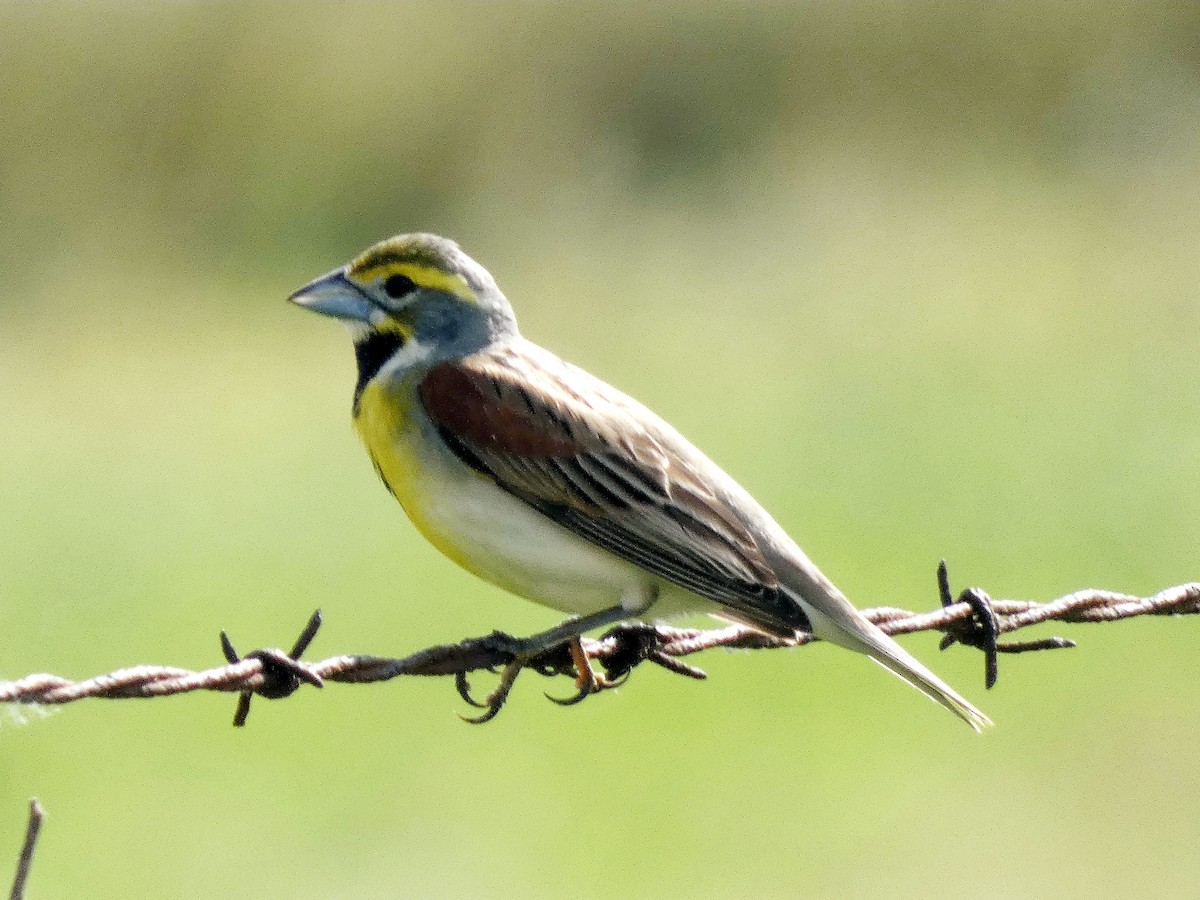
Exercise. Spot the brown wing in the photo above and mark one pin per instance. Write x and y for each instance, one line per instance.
(587, 457)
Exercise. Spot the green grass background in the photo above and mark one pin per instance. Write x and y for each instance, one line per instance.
(924, 277)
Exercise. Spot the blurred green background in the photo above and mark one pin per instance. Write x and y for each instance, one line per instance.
(922, 276)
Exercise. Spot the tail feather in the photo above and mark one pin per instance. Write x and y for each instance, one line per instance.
(840, 623)
(905, 667)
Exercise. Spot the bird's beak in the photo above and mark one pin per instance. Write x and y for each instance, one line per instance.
(336, 295)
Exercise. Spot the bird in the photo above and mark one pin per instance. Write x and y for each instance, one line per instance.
(548, 482)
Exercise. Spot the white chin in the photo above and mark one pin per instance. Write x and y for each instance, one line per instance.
(358, 330)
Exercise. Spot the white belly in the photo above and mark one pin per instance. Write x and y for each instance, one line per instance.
(501, 539)
(505, 541)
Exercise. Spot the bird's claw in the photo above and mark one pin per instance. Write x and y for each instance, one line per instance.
(587, 680)
(496, 699)
(577, 697)
(587, 687)
(610, 683)
(492, 712)
(464, 690)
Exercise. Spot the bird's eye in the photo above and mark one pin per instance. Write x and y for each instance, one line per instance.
(396, 286)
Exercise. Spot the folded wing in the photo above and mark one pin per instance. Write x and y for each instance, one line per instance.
(588, 457)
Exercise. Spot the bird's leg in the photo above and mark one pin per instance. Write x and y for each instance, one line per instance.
(525, 650)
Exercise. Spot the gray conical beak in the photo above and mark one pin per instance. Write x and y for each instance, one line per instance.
(337, 296)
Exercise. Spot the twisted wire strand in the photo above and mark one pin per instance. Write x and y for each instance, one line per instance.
(974, 619)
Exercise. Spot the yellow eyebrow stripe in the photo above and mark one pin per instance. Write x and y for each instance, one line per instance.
(425, 276)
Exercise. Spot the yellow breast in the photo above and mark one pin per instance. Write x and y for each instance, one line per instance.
(384, 420)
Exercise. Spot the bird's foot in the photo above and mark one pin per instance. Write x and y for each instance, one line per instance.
(558, 651)
(587, 680)
(559, 659)
(495, 700)
(520, 658)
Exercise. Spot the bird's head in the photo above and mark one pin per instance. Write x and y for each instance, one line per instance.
(412, 299)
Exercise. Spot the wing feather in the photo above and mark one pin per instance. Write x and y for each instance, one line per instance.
(589, 458)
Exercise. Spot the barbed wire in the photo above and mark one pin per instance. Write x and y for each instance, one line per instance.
(973, 619)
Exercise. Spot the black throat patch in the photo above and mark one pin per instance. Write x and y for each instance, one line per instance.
(371, 353)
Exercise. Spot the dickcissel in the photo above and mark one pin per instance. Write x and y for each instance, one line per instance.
(548, 482)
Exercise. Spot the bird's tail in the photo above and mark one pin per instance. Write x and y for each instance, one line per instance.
(840, 623)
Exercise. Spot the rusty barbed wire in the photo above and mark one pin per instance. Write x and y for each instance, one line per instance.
(973, 619)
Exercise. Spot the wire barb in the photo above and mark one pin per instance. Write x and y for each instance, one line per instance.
(983, 627)
(974, 619)
(282, 673)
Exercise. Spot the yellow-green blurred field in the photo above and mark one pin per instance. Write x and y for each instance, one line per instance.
(926, 280)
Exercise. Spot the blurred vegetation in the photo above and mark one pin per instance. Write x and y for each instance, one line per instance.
(922, 276)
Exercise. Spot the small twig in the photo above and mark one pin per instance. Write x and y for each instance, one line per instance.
(36, 816)
(974, 619)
